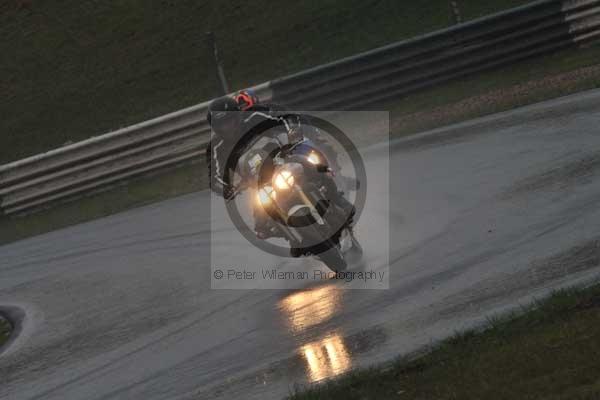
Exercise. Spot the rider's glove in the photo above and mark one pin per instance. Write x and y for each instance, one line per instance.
(228, 192)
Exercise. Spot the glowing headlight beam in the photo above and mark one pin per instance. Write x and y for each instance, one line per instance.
(284, 180)
(265, 195)
(313, 158)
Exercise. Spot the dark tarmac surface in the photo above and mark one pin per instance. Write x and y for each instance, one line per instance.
(484, 216)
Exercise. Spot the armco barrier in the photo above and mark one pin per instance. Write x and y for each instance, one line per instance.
(351, 83)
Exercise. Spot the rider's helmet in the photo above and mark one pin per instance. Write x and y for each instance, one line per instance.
(246, 99)
(224, 116)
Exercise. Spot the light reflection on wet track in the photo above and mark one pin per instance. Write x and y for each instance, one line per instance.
(303, 309)
(326, 358)
(306, 308)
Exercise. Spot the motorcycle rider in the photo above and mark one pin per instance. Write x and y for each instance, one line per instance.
(229, 125)
(231, 119)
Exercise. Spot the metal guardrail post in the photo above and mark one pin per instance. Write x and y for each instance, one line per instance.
(212, 42)
(456, 12)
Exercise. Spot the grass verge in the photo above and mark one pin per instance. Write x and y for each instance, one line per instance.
(565, 72)
(548, 351)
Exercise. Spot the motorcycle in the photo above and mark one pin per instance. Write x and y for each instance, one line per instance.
(297, 194)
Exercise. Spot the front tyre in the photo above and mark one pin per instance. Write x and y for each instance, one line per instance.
(334, 259)
(356, 250)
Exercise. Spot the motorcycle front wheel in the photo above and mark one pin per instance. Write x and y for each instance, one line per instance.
(334, 259)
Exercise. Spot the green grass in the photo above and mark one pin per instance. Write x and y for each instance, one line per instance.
(548, 351)
(72, 69)
(5, 330)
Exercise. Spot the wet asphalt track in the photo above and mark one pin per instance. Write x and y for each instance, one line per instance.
(483, 217)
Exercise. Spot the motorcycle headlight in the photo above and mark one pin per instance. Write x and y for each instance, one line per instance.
(284, 180)
(265, 195)
(313, 158)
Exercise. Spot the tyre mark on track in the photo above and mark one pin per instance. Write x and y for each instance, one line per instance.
(576, 259)
(576, 172)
